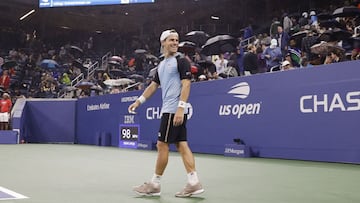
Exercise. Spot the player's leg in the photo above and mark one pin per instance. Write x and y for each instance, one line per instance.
(162, 157)
(186, 155)
(152, 188)
(193, 186)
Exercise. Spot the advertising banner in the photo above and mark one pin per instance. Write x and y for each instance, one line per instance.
(308, 114)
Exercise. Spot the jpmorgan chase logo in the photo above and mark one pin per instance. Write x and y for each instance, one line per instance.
(349, 101)
(241, 91)
(154, 113)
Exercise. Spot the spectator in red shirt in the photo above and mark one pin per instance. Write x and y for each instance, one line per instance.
(5, 108)
(5, 80)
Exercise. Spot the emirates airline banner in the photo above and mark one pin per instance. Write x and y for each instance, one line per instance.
(309, 114)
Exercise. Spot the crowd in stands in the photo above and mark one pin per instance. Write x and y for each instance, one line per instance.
(39, 70)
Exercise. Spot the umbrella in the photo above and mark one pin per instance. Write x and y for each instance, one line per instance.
(324, 16)
(151, 57)
(116, 58)
(187, 47)
(198, 37)
(84, 85)
(75, 50)
(96, 88)
(69, 88)
(137, 77)
(323, 48)
(299, 35)
(115, 63)
(219, 44)
(331, 23)
(118, 82)
(140, 51)
(336, 34)
(117, 73)
(9, 64)
(49, 64)
(346, 11)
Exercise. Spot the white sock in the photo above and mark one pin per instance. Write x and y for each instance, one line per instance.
(156, 179)
(193, 178)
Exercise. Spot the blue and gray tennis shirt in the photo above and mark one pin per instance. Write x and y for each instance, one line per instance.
(169, 74)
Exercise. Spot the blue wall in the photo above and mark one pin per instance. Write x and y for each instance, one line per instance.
(307, 114)
(49, 121)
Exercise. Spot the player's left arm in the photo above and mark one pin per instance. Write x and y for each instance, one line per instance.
(185, 76)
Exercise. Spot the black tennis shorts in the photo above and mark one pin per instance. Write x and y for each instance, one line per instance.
(169, 133)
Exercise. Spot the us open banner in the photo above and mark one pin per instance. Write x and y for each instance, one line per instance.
(309, 114)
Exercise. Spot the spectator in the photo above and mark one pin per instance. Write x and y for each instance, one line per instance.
(306, 44)
(287, 23)
(221, 64)
(5, 80)
(272, 55)
(248, 32)
(286, 65)
(66, 79)
(273, 27)
(295, 53)
(283, 40)
(313, 18)
(250, 60)
(304, 19)
(5, 108)
(336, 56)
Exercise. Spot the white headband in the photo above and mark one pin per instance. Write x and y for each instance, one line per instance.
(167, 33)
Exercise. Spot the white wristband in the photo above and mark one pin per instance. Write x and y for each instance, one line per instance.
(141, 99)
(182, 104)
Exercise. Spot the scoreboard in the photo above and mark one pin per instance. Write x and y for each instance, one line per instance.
(64, 3)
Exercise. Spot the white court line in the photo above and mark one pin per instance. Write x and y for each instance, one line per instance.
(12, 193)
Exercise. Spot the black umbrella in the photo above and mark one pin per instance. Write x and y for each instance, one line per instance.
(331, 23)
(187, 47)
(346, 11)
(117, 73)
(336, 34)
(324, 48)
(9, 64)
(300, 34)
(219, 44)
(76, 51)
(324, 16)
(137, 77)
(198, 37)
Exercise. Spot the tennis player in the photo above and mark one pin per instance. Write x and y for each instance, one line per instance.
(173, 75)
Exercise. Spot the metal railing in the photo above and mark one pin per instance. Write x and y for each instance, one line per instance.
(92, 69)
(245, 42)
(105, 60)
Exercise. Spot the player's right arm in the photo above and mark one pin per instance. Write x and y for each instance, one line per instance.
(148, 92)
